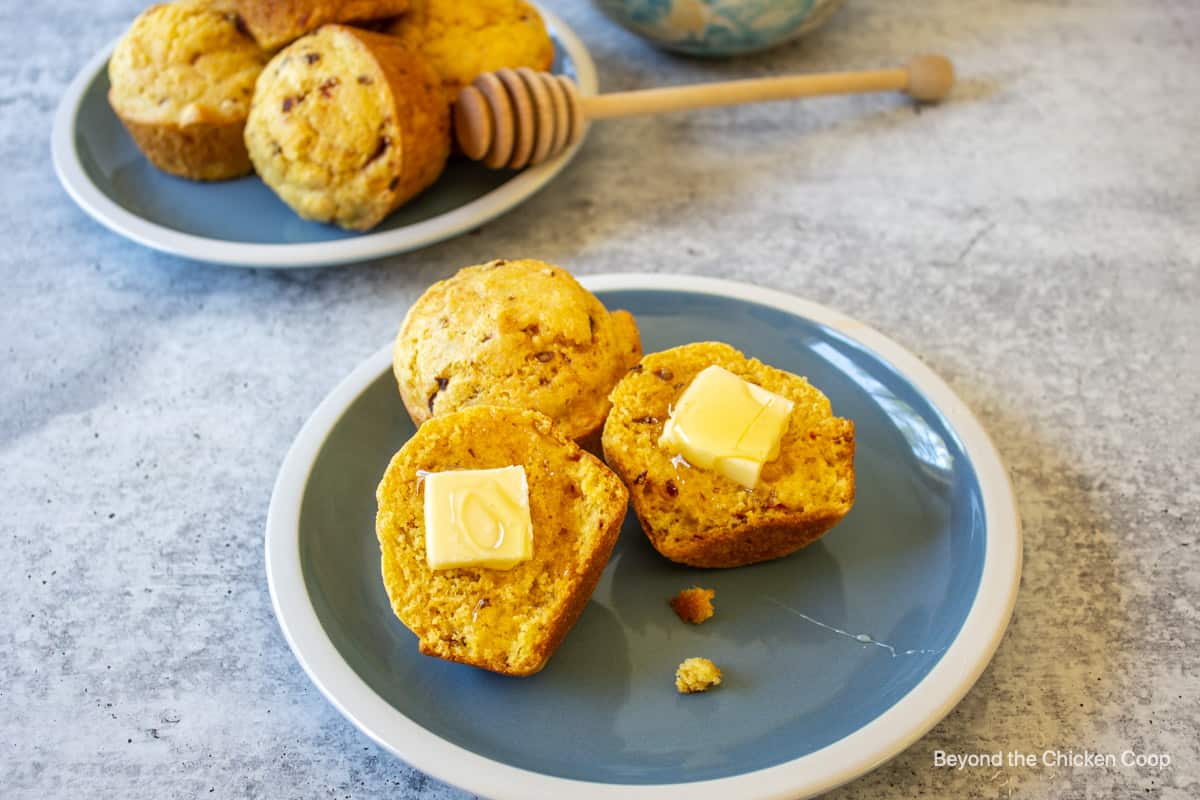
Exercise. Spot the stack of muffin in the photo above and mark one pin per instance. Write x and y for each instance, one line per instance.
(341, 107)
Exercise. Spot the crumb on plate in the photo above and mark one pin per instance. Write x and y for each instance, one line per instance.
(696, 675)
(694, 605)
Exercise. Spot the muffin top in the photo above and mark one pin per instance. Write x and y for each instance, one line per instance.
(520, 334)
(462, 40)
(186, 63)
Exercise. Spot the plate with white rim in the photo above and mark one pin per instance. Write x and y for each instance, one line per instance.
(241, 222)
(836, 658)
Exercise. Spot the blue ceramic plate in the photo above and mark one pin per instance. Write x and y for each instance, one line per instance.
(836, 658)
(242, 222)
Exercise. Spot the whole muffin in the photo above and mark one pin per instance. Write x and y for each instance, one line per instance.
(519, 334)
(182, 78)
(702, 518)
(275, 23)
(508, 621)
(463, 40)
(347, 125)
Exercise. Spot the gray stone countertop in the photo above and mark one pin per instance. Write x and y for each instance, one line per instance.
(1036, 241)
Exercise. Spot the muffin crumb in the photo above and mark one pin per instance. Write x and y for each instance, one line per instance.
(694, 605)
(696, 675)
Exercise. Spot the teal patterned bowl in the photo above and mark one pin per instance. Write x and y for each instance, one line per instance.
(719, 27)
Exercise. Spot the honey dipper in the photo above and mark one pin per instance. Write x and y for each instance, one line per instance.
(518, 118)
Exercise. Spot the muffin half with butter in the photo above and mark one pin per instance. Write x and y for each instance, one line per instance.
(522, 334)
(182, 79)
(728, 461)
(493, 531)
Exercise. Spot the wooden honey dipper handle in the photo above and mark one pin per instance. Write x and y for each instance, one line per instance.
(926, 78)
(516, 118)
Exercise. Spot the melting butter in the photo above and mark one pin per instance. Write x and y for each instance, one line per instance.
(477, 518)
(728, 425)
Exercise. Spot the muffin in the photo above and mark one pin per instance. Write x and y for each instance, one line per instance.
(701, 516)
(274, 23)
(181, 80)
(520, 334)
(504, 620)
(347, 125)
(463, 40)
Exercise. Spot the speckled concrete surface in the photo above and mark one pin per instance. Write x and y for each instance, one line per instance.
(1036, 241)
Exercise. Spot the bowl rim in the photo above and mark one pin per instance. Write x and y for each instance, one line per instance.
(819, 14)
(881, 739)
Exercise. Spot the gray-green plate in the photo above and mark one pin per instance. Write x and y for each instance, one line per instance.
(836, 658)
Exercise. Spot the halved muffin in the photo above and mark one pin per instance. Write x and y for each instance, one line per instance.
(182, 78)
(511, 619)
(347, 125)
(702, 516)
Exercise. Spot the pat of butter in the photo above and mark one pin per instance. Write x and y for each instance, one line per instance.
(728, 425)
(477, 518)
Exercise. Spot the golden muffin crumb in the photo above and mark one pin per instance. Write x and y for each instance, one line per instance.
(694, 605)
(347, 125)
(507, 621)
(521, 334)
(701, 518)
(275, 23)
(696, 675)
(463, 40)
(182, 78)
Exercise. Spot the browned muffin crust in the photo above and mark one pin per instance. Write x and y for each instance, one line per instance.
(275, 23)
